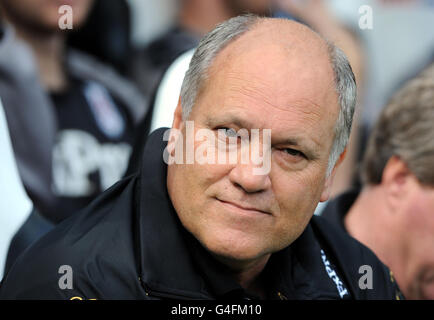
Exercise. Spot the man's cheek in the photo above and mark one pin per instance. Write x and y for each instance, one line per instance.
(293, 184)
(208, 174)
(297, 200)
(314, 184)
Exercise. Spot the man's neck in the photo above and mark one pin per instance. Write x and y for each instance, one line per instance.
(251, 279)
(369, 222)
(248, 274)
(202, 16)
(48, 49)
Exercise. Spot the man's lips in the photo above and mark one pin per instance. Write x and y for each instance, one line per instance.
(247, 208)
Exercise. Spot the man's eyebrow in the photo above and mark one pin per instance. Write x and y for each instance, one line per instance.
(291, 141)
(230, 119)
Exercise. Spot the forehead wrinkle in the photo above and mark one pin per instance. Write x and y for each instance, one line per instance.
(255, 92)
(255, 95)
(269, 89)
(309, 110)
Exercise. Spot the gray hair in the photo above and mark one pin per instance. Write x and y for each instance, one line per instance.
(405, 130)
(227, 32)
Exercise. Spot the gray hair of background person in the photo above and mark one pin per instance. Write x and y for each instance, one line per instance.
(228, 31)
(405, 129)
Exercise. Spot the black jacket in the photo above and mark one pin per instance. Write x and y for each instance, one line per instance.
(129, 244)
(337, 208)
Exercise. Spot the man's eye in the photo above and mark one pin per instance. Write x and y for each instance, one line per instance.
(229, 132)
(294, 153)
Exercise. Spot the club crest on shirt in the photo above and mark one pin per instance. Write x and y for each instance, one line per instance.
(104, 110)
(77, 156)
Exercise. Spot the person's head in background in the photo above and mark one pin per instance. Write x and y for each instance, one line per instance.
(398, 174)
(42, 16)
(201, 16)
(37, 23)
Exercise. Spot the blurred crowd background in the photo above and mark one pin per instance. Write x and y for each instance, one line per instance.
(125, 60)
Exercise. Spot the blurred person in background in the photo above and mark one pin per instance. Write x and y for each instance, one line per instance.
(393, 213)
(89, 113)
(13, 197)
(195, 19)
(20, 88)
(106, 34)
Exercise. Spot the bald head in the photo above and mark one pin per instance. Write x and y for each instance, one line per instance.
(284, 52)
(291, 38)
(309, 55)
(285, 32)
(229, 40)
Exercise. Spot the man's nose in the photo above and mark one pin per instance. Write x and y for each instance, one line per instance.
(242, 175)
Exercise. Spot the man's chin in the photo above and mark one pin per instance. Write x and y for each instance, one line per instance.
(235, 254)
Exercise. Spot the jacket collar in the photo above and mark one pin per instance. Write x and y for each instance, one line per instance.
(337, 209)
(166, 266)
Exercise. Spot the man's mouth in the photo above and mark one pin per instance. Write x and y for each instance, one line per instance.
(243, 207)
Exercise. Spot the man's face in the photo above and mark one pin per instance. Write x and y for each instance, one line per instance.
(43, 15)
(417, 281)
(259, 85)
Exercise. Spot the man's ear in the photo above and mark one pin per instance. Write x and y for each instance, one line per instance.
(325, 195)
(395, 181)
(177, 117)
(176, 130)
